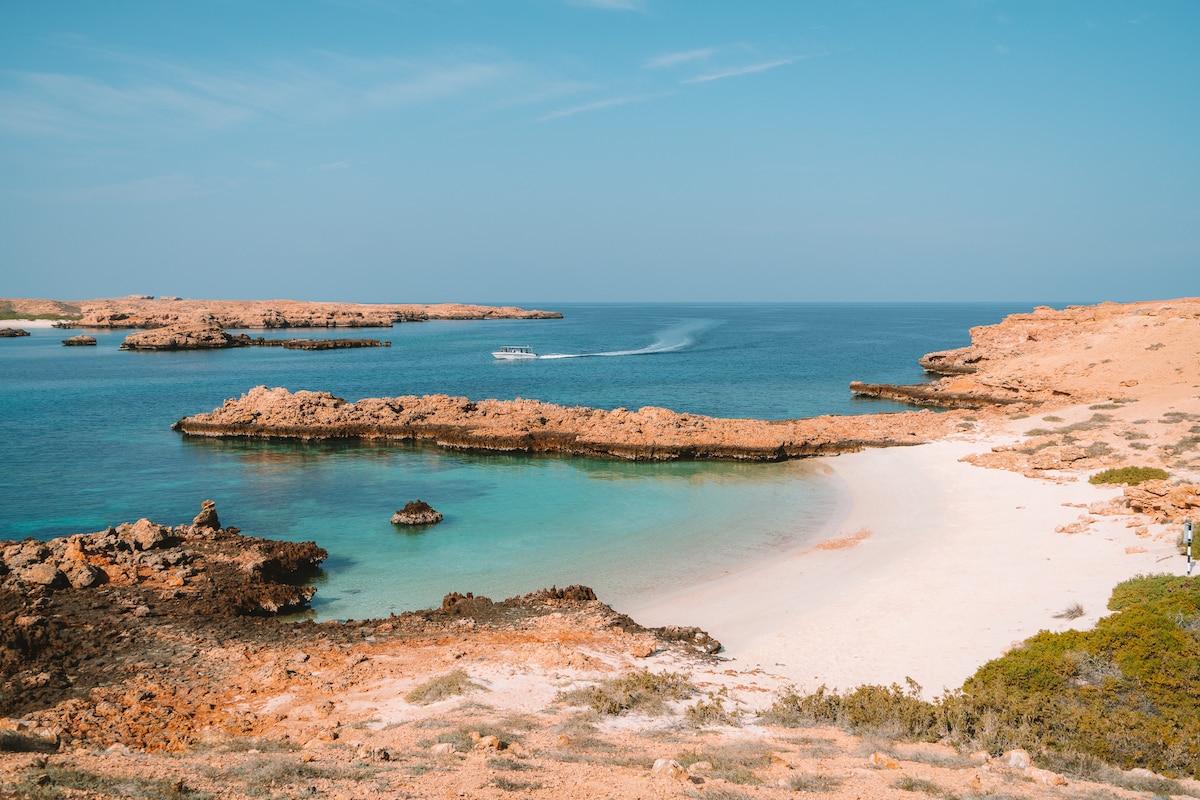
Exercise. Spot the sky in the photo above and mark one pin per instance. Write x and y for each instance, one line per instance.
(540, 151)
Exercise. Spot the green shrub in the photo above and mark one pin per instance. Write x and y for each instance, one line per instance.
(451, 684)
(1129, 475)
(888, 710)
(643, 692)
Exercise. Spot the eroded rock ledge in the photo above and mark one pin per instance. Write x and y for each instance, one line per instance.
(1063, 357)
(530, 426)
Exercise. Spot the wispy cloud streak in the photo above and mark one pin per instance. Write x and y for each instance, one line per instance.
(684, 57)
(597, 106)
(738, 71)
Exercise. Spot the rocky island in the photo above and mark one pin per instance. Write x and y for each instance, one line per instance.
(144, 311)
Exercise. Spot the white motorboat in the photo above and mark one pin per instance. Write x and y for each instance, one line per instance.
(515, 352)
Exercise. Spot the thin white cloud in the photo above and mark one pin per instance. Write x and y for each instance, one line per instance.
(684, 57)
(335, 165)
(738, 71)
(611, 5)
(597, 106)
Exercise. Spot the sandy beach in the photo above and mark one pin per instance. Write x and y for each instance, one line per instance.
(936, 567)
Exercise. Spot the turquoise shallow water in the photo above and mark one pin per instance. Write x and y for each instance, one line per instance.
(85, 441)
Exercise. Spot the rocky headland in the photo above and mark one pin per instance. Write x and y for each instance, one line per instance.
(142, 311)
(1050, 357)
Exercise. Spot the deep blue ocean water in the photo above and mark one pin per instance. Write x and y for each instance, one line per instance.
(85, 442)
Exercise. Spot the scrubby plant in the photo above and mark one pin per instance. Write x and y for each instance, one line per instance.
(1073, 611)
(873, 709)
(911, 784)
(1126, 693)
(814, 783)
(711, 710)
(734, 763)
(643, 692)
(453, 683)
(1129, 475)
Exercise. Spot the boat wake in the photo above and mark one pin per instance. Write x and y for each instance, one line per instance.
(677, 337)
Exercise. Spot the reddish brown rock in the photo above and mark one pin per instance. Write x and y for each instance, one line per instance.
(80, 341)
(530, 426)
(185, 336)
(416, 512)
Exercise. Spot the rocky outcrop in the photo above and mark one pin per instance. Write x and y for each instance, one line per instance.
(416, 512)
(529, 426)
(12, 333)
(201, 336)
(228, 573)
(80, 341)
(211, 336)
(142, 311)
(1163, 500)
(1060, 357)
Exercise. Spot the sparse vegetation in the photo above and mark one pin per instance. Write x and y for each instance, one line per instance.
(911, 784)
(1052, 418)
(1073, 611)
(814, 783)
(1104, 407)
(1126, 693)
(507, 785)
(49, 781)
(712, 711)
(735, 763)
(642, 692)
(1129, 475)
(453, 683)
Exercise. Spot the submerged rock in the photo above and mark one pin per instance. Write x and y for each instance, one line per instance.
(416, 512)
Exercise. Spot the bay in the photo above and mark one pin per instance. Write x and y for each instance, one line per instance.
(86, 443)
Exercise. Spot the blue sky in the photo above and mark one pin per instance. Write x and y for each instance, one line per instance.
(600, 150)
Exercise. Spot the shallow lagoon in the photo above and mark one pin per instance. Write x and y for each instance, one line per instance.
(85, 438)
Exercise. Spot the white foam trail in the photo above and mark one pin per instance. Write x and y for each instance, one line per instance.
(674, 338)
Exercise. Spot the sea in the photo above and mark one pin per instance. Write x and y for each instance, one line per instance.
(86, 442)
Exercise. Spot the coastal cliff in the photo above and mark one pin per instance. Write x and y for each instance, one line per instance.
(530, 426)
(149, 312)
(1081, 354)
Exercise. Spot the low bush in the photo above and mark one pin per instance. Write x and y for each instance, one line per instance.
(1129, 475)
(453, 683)
(1126, 693)
(642, 692)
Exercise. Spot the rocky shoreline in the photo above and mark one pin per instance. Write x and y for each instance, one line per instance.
(147, 312)
(210, 336)
(533, 427)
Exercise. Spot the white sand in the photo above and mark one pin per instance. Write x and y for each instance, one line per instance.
(961, 563)
(27, 323)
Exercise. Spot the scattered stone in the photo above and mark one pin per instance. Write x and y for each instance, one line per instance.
(207, 518)
(80, 341)
(670, 768)
(1018, 759)
(1045, 776)
(416, 512)
(883, 760)
(442, 749)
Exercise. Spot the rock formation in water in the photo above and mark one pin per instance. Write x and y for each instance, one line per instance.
(144, 311)
(211, 336)
(80, 341)
(530, 426)
(12, 333)
(416, 512)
